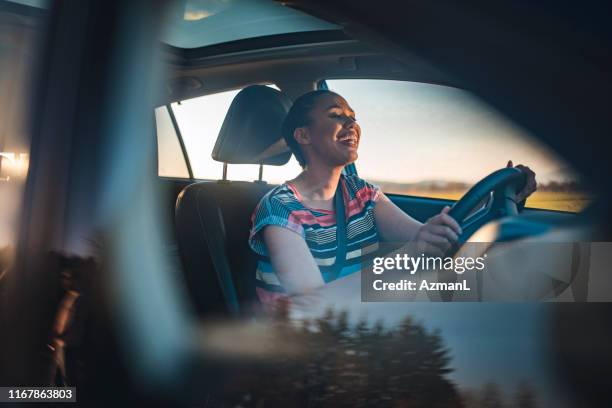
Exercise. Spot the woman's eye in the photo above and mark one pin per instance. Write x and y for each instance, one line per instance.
(335, 115)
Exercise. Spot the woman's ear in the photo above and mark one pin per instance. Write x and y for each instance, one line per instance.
(301, 136)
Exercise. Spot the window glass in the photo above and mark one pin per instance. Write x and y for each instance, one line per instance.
(436, 141)
(199, 23)
(200, 120)
(171, 162)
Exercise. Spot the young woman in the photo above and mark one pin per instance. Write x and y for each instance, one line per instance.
(294, 225)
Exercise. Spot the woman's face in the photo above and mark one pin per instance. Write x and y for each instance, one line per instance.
(333, 133)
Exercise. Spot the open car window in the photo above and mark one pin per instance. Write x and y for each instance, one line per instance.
(436, 141)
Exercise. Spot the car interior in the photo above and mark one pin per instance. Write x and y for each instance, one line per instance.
(222, 208)
(93, 189)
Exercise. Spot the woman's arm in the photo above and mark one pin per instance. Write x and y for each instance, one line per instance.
(434, 236)
(393, 224)
(292, 260)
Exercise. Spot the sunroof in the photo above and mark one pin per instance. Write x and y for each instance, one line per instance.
(199, 23)
(32, 3)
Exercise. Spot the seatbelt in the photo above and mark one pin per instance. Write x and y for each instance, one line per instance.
(211, 221)
(340, 231)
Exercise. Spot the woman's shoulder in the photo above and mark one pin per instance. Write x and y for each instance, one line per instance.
(276, 207)
(281, 193)
(280, 197)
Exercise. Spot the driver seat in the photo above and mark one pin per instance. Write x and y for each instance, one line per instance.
(213, 218)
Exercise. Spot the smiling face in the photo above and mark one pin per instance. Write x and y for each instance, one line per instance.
(332, 135)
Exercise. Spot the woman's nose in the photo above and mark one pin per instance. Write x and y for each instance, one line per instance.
(349, 121)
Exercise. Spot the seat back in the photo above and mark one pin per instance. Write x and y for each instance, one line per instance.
(213, 218)
(218, 215)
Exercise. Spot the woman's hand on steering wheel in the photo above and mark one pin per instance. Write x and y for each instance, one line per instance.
(531, 184)
(438, 234)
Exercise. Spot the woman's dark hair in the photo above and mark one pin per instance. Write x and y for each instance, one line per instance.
(299, 116)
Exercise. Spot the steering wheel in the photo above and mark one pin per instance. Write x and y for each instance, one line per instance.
(501, 187)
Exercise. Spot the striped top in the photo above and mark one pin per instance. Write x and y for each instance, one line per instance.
(283, 207)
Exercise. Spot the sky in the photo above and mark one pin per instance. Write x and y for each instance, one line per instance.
(411, 132)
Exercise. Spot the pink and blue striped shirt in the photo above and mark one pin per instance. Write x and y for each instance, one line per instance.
(283, 207)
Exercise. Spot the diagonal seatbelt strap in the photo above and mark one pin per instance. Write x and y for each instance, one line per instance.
(340, 231)
(211, 220)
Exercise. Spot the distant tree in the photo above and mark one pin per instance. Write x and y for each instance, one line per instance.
(525, 396)
(353, 366)
(470, 398)
(491, 396)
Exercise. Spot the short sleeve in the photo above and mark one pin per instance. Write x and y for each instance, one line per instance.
(271, 211)
(375, 192)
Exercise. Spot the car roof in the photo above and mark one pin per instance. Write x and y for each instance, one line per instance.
(284, 59)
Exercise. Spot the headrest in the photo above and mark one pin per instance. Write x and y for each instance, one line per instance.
(251, 131)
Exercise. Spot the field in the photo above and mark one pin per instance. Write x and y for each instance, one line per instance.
(559, 200)
(550, 200)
